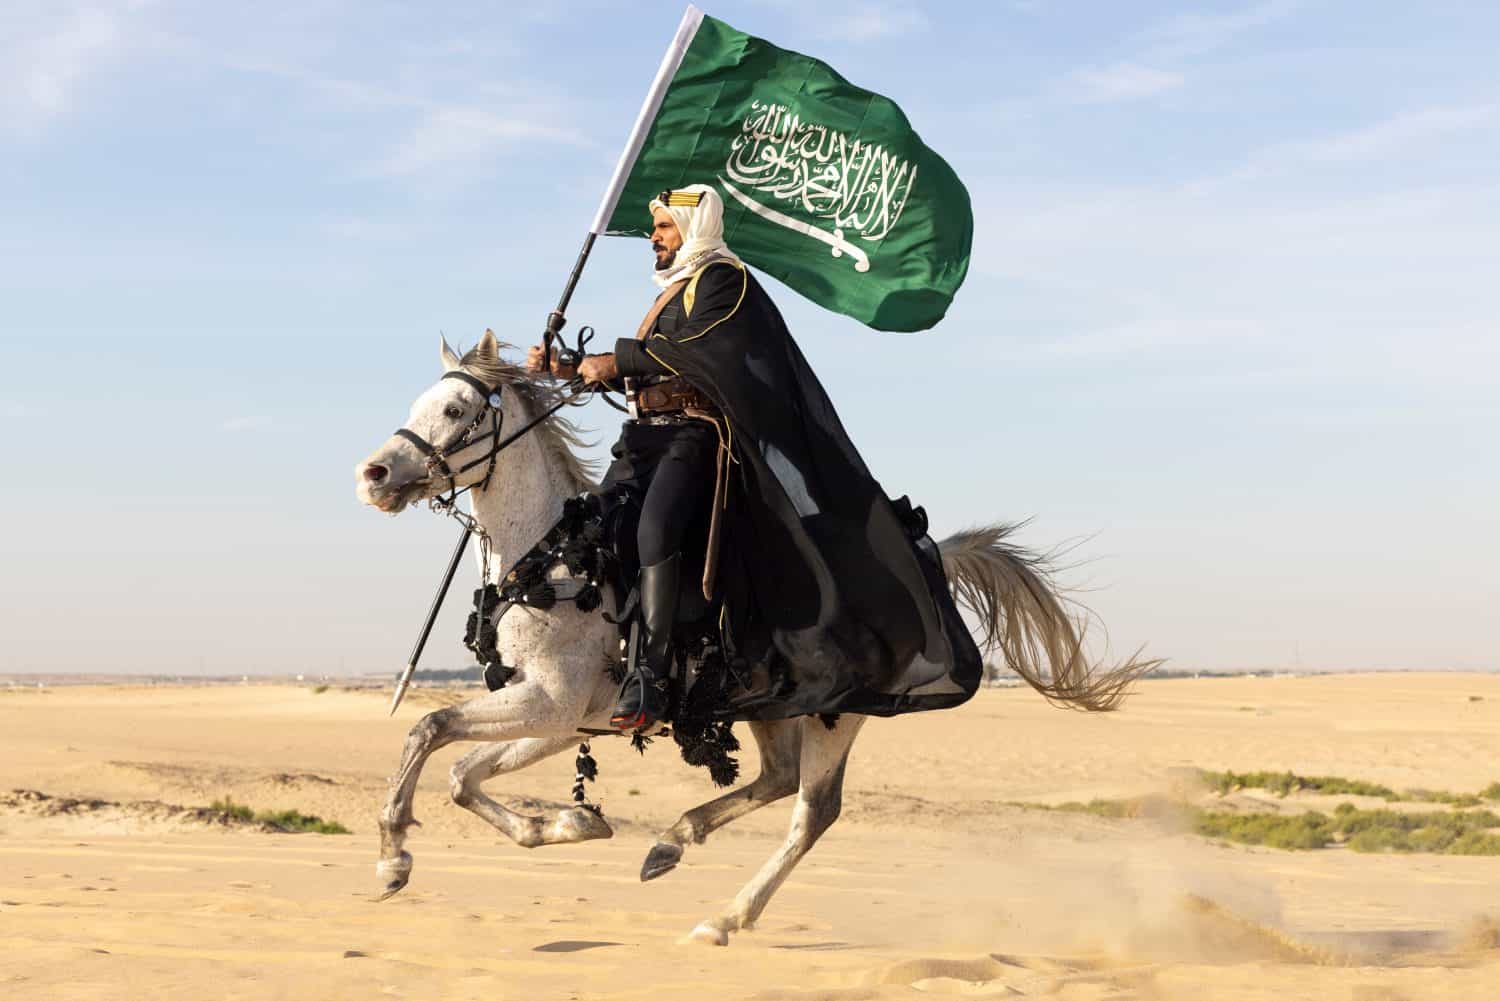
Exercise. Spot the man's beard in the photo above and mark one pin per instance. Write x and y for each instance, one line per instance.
(663, 263)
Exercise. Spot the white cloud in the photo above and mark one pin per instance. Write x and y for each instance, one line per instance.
(854, 22)
(50, 52)
(874, 23)
(449, 136)
(1159, 53)
(1390, 287)
(14, 410)
(1384, 139)
(1188, 35)
(1120, 82)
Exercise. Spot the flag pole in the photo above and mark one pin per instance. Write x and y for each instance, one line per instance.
(686, 30)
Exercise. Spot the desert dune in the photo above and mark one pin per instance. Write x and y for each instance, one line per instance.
(944, 876)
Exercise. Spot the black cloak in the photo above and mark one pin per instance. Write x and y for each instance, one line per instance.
(845, 596)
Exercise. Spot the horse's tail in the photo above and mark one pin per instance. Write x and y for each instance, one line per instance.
(1023, 613)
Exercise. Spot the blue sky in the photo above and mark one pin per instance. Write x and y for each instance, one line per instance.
(1232, 314)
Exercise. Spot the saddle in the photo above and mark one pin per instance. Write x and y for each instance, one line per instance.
(594, 541)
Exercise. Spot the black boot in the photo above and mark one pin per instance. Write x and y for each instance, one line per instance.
(643, 696)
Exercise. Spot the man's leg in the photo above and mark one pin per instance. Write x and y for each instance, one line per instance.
(681, 484)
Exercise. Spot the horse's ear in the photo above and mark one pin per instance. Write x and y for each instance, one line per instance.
(449, 356)
(488, 347)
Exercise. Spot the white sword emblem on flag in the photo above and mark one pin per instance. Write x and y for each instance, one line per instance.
(835, 239)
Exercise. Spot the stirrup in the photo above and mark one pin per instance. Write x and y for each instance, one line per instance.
(638, 712)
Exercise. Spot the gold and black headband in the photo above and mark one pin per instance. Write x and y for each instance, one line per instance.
(680, 199)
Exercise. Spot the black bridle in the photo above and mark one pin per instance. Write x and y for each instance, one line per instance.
(437, 457)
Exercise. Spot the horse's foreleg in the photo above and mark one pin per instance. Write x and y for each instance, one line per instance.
(512, 713)
(577, 823)
(824, 754)
(778, 742)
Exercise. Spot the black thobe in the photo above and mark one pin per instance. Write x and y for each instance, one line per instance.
(826, 580)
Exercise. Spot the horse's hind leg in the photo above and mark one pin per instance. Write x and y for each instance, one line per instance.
(778, 741)
(825, 752)
(577, 823)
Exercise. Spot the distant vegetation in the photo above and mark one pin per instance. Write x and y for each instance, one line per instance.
(1286, 783)
(475, 673)
(286, 821)
(1461, 831)
(1437, 832)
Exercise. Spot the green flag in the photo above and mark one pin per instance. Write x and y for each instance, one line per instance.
(825, 185)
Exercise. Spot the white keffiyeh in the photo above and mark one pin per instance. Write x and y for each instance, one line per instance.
(702, 229)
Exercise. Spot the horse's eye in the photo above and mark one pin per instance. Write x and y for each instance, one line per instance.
(453, 413)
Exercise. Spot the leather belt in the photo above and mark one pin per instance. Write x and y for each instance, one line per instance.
(673, 396)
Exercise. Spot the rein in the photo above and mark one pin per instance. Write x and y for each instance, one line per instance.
(437, 457)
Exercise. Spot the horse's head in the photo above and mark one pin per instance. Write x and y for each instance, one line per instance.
(428, 455)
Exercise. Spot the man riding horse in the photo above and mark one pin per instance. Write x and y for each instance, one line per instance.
(834, 583)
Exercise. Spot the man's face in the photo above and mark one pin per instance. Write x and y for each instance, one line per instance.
(666, 238)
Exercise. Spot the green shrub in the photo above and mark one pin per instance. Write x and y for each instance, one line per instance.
(1285, 783)
(288, 821)
(1110, 809)
(1334, 786)
(1460, 832)
(1433, 839)
(1299, 832)
(294, 822)
(1462, 800)
(229, 808)
(1379, 839)
(1475, 843)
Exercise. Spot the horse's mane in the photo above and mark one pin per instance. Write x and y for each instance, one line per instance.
(558, 435)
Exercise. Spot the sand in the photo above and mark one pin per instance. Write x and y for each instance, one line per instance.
(931, 885)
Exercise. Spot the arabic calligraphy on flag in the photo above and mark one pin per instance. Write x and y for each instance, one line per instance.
(857, 186)
(827, 186)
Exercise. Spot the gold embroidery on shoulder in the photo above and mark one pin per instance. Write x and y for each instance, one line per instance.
(690, 294)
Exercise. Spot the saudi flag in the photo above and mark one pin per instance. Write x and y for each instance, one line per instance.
(825, 186)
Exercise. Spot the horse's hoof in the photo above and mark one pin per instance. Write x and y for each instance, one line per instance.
(392, 874)
(579, 823)
(662, 859)
(707, 933)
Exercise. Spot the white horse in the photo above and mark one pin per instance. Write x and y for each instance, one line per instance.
(562, 653)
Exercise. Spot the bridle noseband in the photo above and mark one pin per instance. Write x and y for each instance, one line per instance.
(437, 458)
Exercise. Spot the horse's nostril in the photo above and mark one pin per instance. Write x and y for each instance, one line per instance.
(375, 472)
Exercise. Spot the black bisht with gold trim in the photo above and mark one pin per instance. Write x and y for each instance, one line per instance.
(849, 608)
